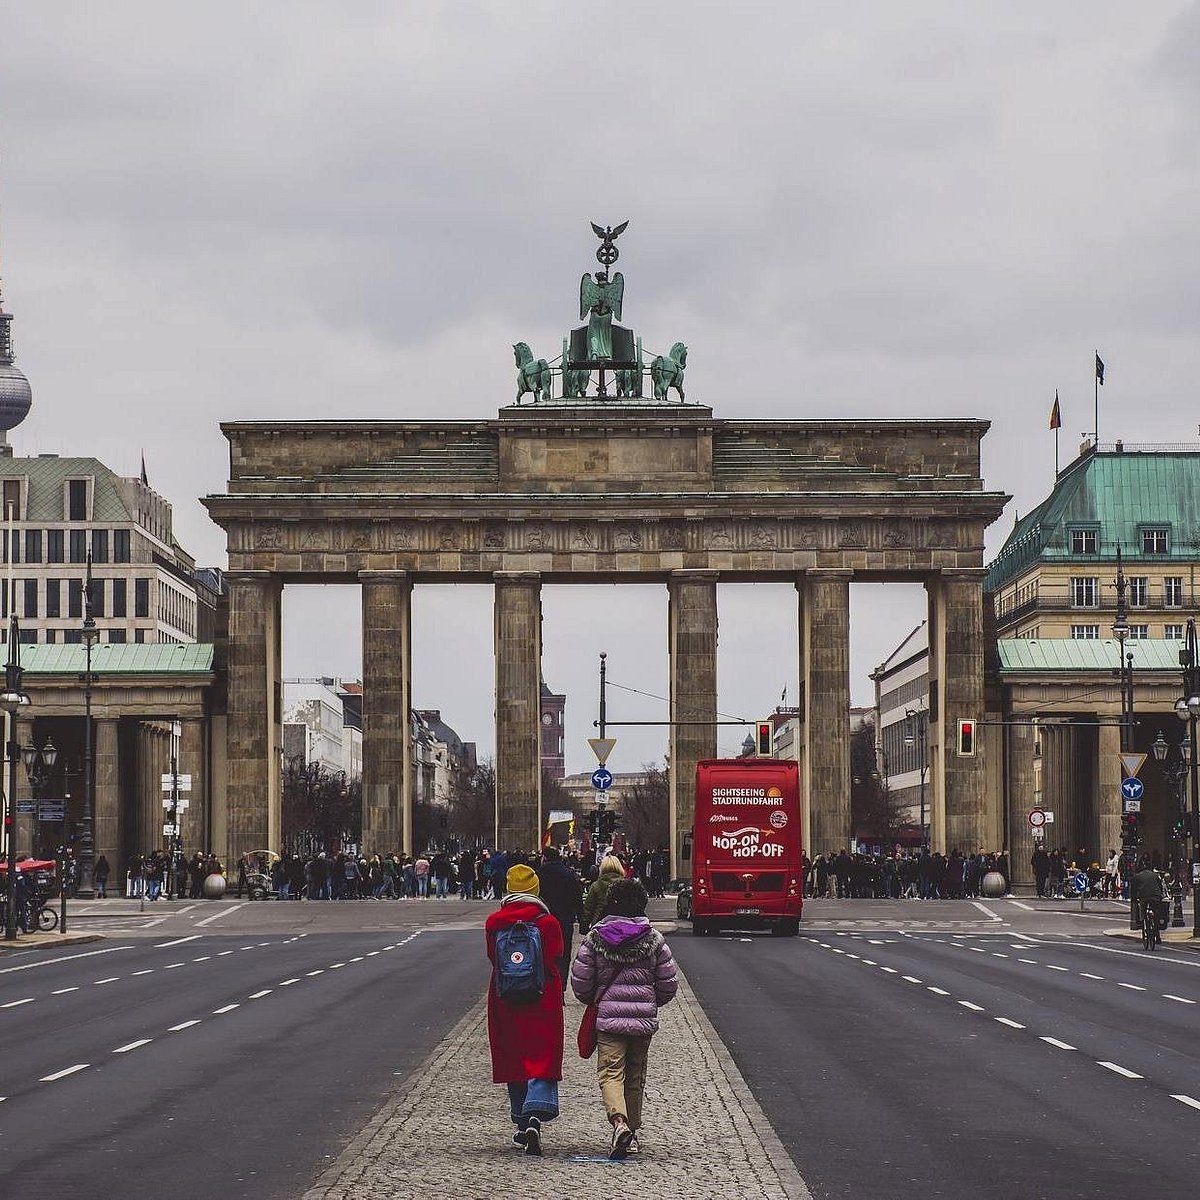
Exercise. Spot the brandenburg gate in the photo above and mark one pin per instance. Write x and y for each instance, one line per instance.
(595, 488)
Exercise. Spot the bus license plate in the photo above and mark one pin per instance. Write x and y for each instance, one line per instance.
(747, 912)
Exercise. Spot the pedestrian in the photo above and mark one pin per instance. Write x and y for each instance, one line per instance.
(611, 869)
(421, 871)
(562, 893)
(625, 968)
(525, 1005)
(100, 874)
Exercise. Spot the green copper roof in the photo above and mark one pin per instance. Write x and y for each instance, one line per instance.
(1117, 494)
(160, 658)
(48, 474)
(1084, 654)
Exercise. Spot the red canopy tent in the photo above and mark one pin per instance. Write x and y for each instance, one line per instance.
(31, 864)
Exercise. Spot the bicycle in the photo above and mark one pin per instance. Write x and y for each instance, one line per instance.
(1150, 934)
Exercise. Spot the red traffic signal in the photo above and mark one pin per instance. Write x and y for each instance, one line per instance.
(762, 740)
(966, 738)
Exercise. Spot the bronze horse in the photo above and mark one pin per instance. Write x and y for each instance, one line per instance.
(532, 375)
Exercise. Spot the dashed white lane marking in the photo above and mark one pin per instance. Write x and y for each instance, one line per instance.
(373, 953)
(245, 947)
(868, 962)
(876, 942)
(46, 962)
(64, 991)
(890, 970)
(202, 958)
(334, 966)
(172, 966)
(182, 1025)
(1089, 975)
(972, 1007)
(1187, 1100)
(147, 971)
(110, 979)
(360, 958)
(997, 954)
(910, 979)
(1052, 967)
(1179, 999)
(64, 1073)
(321, 971)
(228, 1008)
(848, 955)
(977, 949)
(18, 1003)
(1026, 907)
(937, 991)
(224, 952)
(1055, 1042)
(195, 937)
(264, 943)
(1133, 987)
(1010, 1023)
(259, 995)
(289, 982)
(1032, 962)
(1111, 1066)
(133, 1045)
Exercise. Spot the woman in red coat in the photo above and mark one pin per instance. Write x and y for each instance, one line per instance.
(526, 1038)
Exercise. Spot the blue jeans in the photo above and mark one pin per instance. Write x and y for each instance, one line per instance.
(442, 887)
(536, 1098)
(423, 886)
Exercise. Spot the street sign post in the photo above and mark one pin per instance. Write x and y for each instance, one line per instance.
(1133, 806)
(602, 748)
(168, 785)
(1037, 817)
(602, 779)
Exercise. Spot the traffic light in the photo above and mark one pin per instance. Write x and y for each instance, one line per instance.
(1130, 837)
(762, 739)
(966, 739)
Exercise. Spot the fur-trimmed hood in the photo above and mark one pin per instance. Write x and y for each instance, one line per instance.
(625, 940)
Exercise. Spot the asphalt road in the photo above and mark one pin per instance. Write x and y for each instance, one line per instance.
(946, 1062)
(230, 1064)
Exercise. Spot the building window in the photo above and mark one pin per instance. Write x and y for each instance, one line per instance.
(54, 545)
(97, 597)
(1154, 541)
(31, 591)
(28, 637)
(1083, 591)
(33, 545)
(121, 545)
(100, 545)
(51, 636)
(141, 597)
(77, 490)
(1139, 633)
(1139, 591)
(53, 598)
(74, 597)
(116, 635)
(139, 635)
(118, 598)
(1085, 632)
(1173, 633)
(12, 500)
(1083, 541)
(78, 545)
(1173, 591)
(72, 637)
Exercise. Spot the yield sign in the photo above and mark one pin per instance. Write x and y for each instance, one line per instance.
(1132, 763)
(602, 748)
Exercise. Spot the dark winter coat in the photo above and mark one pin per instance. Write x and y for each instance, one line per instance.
(526, 1040)
(562, 894)
(597, 897)
(630, 967)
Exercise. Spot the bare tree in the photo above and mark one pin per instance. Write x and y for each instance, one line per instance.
(472, 815)
(322, 810)
(646, 809)
(875, 813)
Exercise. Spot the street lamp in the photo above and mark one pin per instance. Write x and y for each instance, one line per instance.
(1187, 708)
(89, 635)
(917, 732)
(12, 700)
(1124, 672)
(39, 765)
(1176, 770)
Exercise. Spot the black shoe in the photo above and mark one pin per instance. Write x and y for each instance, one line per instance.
(622, 1136)
(533, 1137)
(520, 1138)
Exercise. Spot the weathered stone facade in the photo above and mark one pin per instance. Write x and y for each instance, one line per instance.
(602, 492)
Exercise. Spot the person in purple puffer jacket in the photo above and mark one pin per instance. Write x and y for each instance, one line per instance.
(627, 969)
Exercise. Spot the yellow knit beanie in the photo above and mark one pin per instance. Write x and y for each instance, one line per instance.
(522, 879)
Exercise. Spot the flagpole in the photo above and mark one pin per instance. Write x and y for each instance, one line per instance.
(1096, 390)
(1056, 452)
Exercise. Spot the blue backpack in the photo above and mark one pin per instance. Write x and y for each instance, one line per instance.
(520, 974)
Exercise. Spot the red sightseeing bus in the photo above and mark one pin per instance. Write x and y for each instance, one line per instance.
(746, 847)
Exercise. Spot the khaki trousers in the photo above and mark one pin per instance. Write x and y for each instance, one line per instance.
(621, 1068)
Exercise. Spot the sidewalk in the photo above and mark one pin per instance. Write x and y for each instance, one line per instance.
(44, 941)
(447, 1130)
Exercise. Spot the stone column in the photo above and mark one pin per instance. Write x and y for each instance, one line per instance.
(1020, 801)
(802, 723)
(692, 645)
(387, 700)
(253, 734)
(106, 798)
(1109, 774)
(959, 648)
(825, 654)
(518, 641)
(190, 757)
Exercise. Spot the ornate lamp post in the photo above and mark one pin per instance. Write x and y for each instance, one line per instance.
(1124, 672)
(917, 734)
(89, 635)
(39, 764)
(1176, 770)
(1187, 708)
(12, 700)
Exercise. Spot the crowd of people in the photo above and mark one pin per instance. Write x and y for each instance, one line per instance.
(907, 875)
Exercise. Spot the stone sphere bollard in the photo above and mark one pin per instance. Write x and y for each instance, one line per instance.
(214, 887)
(993, 884)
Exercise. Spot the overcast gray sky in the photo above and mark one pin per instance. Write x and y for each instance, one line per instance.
(319, 210)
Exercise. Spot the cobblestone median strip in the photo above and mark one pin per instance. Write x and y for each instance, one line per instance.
(447, 1129)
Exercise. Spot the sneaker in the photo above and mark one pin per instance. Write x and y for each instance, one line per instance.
(533, 1137)
(520, 1138)
(622, 1136)
(634, 1148)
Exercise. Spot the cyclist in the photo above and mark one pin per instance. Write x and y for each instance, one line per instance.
(1146, 887)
